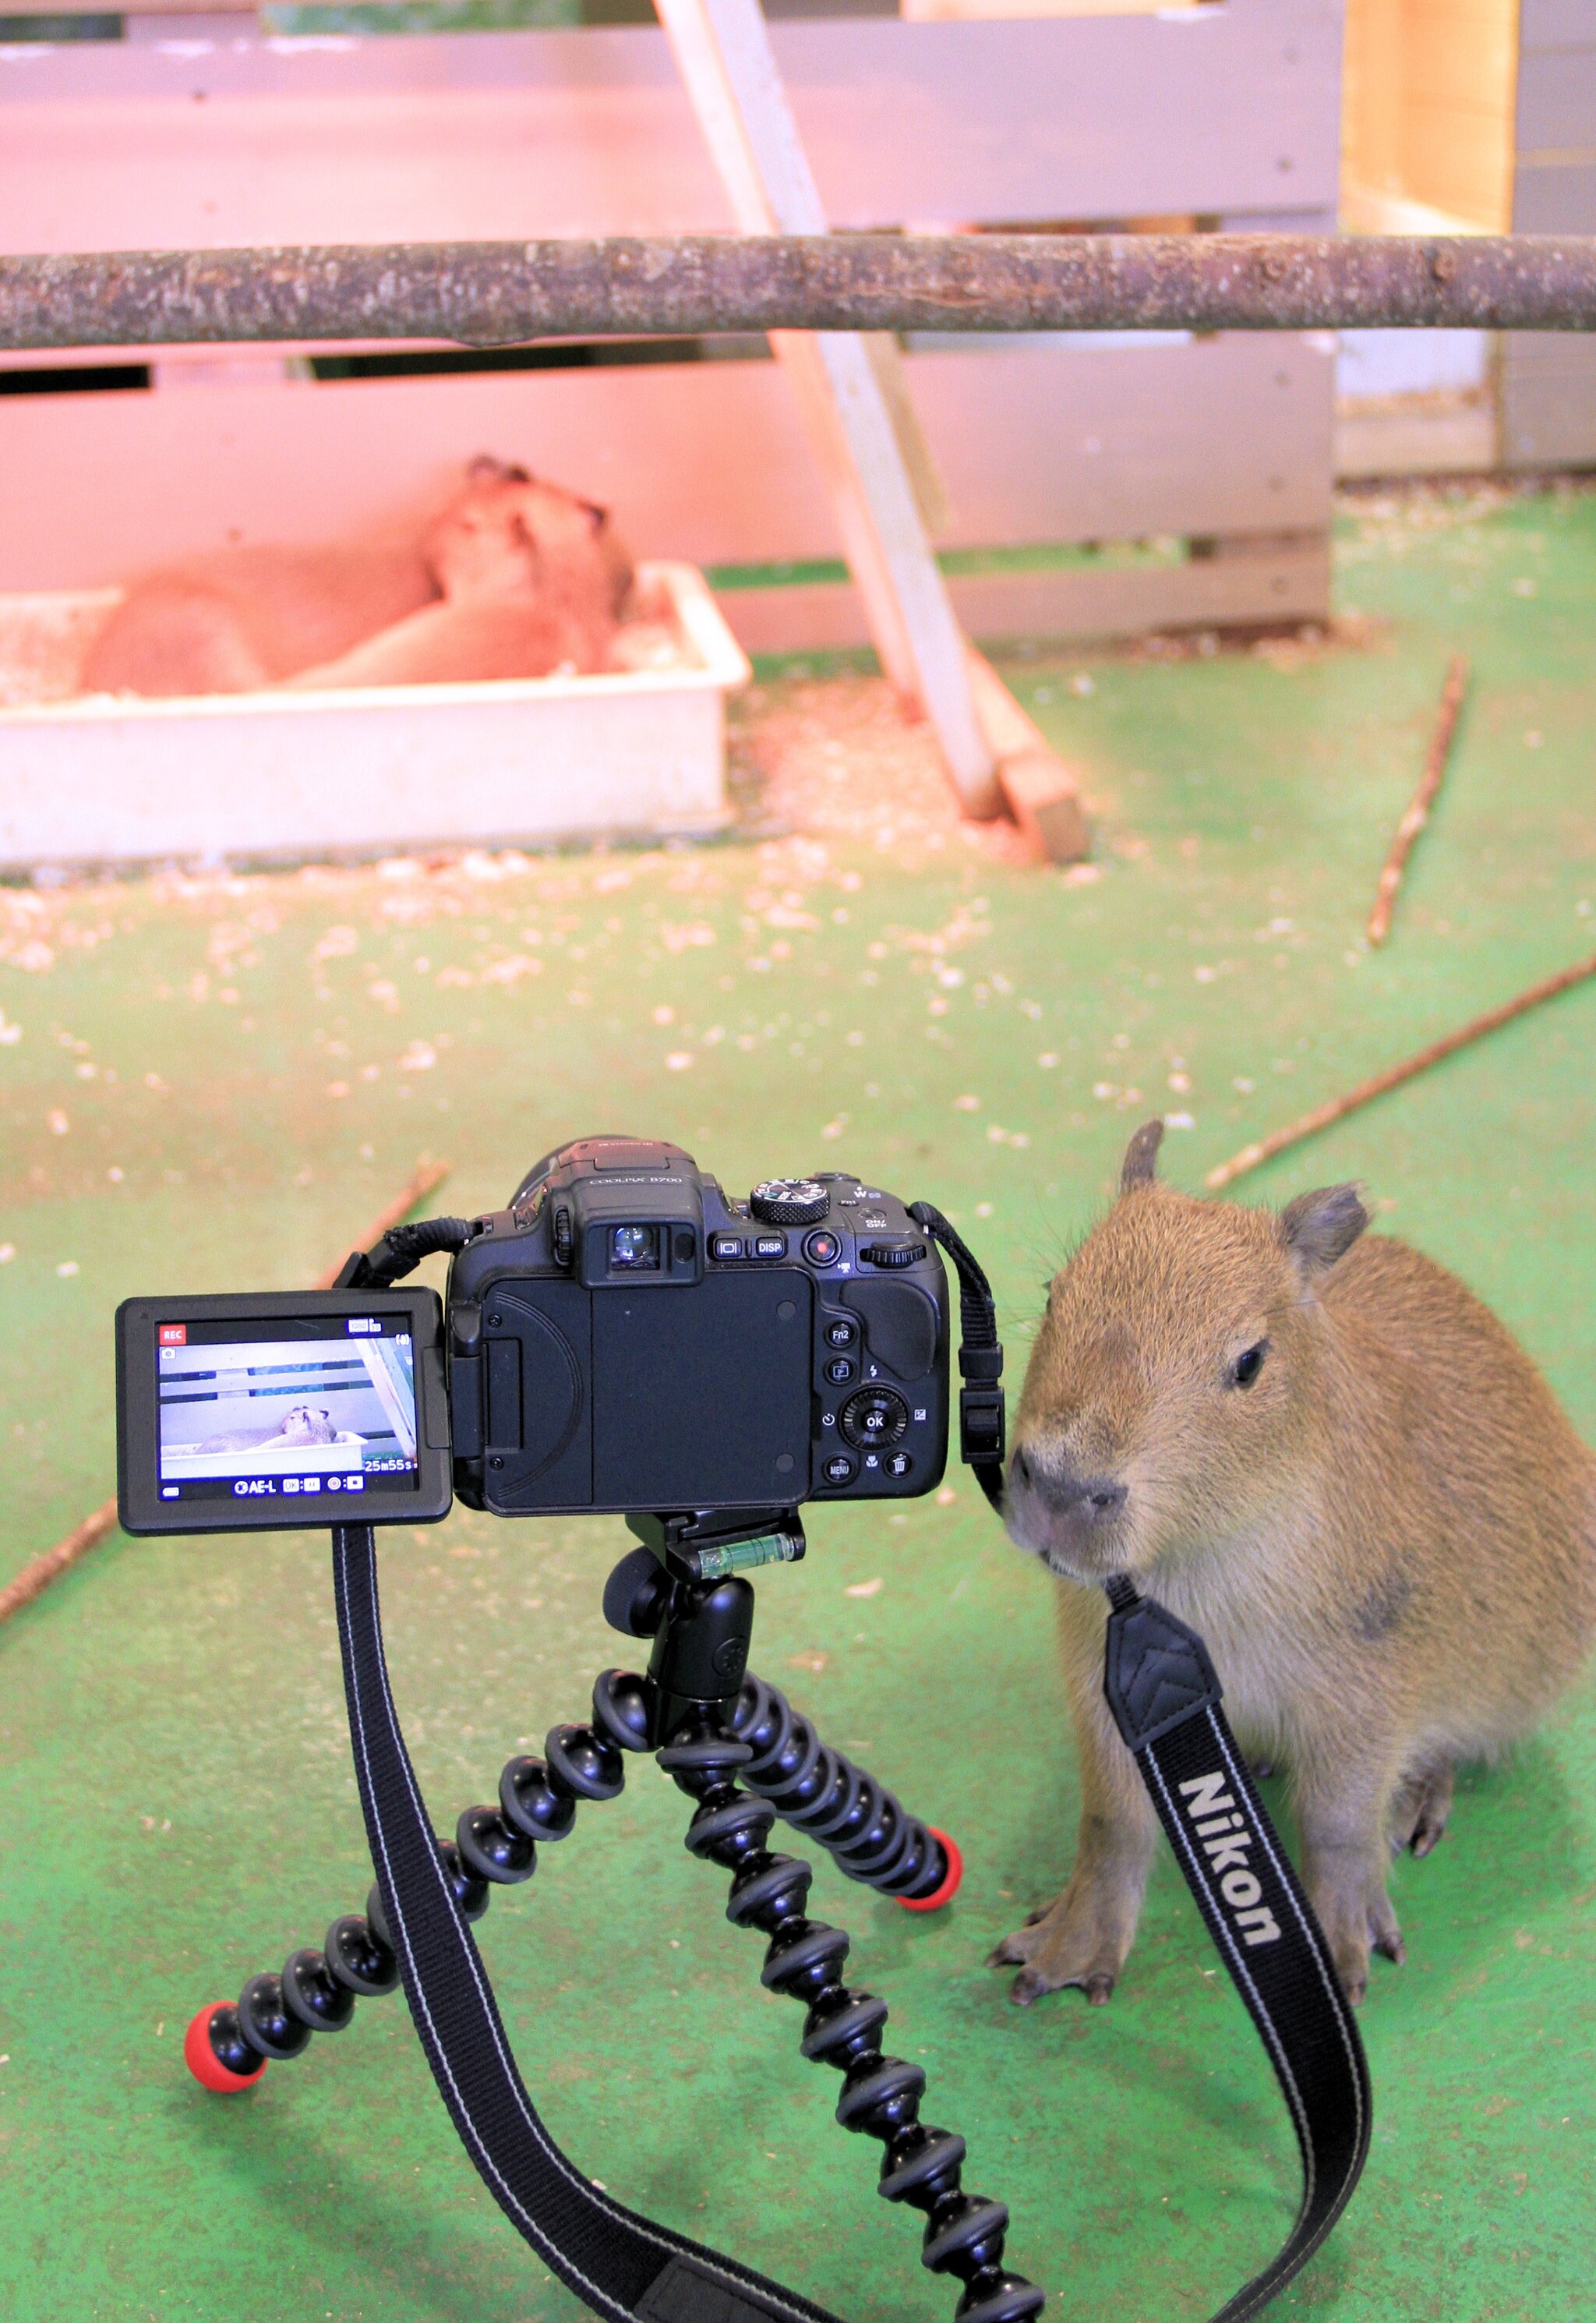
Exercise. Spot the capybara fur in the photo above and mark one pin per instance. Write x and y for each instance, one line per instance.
(300, 1425)
(514, 579)
(1326, 1455)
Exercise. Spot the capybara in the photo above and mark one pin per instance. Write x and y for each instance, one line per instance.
(1326, 1455)
(514, 579)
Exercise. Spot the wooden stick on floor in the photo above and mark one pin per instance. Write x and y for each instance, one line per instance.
(1424, 798)
(41, 1571)
(1338, 1108)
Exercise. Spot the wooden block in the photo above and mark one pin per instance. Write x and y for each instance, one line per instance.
(1039, 793)
(1038, 788)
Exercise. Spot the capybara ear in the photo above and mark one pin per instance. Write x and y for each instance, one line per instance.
(1140, 1167)
(486, 470)
(1320, 1227)
(596, 515)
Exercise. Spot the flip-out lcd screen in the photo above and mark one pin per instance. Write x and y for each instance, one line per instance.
(275, 1411)
(320, 1406)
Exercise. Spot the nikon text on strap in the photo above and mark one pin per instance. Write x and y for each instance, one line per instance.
(1165, 1698)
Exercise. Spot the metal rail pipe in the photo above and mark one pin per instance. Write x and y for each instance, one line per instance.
(486, 294)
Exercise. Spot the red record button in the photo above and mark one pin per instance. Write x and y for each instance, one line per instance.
(822, 1249)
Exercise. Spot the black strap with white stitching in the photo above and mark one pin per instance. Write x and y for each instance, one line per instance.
(1165, 1698)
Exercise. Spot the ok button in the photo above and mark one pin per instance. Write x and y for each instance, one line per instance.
(873, 1418)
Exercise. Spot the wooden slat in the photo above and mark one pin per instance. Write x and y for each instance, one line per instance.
(1281, 583)
(1548, 401)
(1559, 199)
(839, 380)
(1557, 102)
(114, 145)
(1438, 436)
(1225, 435)
(1548, 383)
(1555, 24)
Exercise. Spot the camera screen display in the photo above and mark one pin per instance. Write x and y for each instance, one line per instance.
(304, 1409)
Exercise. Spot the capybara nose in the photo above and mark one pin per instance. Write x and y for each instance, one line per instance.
(1048, 1474)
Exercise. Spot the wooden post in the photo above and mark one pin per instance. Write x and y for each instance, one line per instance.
(723, 53)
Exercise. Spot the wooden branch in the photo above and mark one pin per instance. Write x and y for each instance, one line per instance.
(1424, 798)
(1338, 1108)
(36, 1576)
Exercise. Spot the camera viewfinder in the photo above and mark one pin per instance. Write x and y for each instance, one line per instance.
(635, 1249)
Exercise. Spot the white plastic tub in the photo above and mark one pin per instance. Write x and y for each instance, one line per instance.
(639, 751)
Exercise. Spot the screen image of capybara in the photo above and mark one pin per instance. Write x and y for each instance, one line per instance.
(1330, 1458)
(515, 578)
(301, 1425)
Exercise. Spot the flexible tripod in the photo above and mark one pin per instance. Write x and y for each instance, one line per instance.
(735, 1746)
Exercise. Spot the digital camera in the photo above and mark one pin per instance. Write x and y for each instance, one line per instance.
(623, 1337)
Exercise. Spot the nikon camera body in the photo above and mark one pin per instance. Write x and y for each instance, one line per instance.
(626, 1336)
(623, 1337)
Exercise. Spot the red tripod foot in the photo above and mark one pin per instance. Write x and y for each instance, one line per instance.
(203, 2062)
(950, 1879)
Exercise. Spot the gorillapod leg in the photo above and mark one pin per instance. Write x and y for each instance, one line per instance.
(229, 2046)
(707, 1726)
(842, 2026)
(818, 1790)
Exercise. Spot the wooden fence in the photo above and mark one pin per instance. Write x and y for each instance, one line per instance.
(1226, 114)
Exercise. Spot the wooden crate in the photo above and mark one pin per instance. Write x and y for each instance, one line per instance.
(1227, 112)
(109, 779)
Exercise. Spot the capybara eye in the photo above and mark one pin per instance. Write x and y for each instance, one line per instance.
(1248, 1364)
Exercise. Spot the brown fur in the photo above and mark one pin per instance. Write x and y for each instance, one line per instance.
(300, 1425)
(513, 579)
(1387, 1538)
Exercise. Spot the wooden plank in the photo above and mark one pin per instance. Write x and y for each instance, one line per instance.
(1556, 199)
(1548, 400)
(1042, 444)
(116, 145)
(1556, 113)
(1063, 443)
(723, 51)
(1545, 24)
(1438, 436)
(1283, 582)
(1429, 103)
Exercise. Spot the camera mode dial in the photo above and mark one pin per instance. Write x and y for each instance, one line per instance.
(790, 1201)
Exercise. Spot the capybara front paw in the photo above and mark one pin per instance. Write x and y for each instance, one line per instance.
(1072, 1941)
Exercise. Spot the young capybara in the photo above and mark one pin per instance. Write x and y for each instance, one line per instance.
(514, 579)
(1329, 1458)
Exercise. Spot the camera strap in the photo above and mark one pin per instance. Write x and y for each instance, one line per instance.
(982, 1433)
(1165, 1696)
